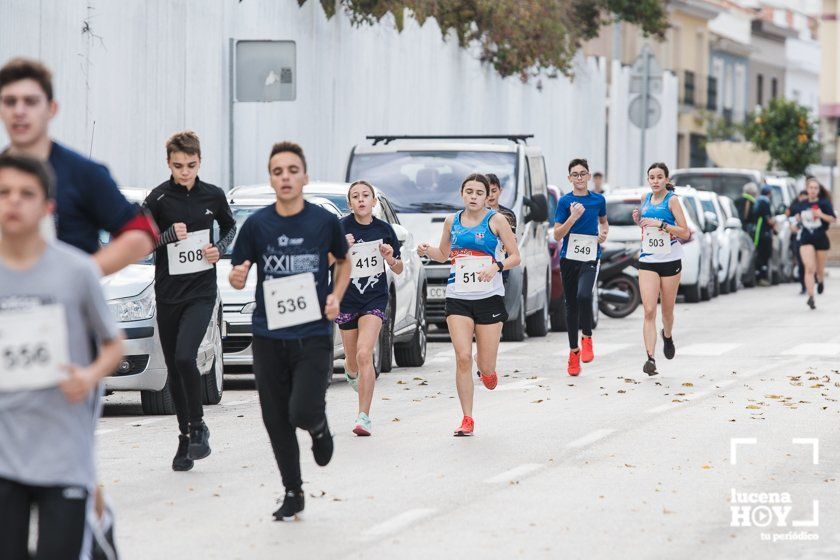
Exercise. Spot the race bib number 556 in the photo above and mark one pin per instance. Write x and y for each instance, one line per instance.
(291, 301)
(33, 347)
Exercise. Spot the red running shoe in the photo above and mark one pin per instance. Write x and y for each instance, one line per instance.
(489, 381)
(467, 427)
(587, 353)
(574, 364)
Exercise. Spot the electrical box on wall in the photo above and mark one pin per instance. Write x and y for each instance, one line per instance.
(266, 71)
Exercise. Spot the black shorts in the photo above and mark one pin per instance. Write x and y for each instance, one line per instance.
(663, 269)
(485, 311)
(820, 243)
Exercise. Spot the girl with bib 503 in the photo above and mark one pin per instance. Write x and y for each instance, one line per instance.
(663, 225)
(373, 246)
(475, 240)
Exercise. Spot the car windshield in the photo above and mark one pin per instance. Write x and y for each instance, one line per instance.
(339, 200)
(730, 185)
(105, 238)
(620, 212)
(430, 181)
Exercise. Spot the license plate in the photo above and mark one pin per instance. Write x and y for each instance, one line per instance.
(435, 292)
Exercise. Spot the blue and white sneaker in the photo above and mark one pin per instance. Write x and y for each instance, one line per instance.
(352, 381)
(363, 425)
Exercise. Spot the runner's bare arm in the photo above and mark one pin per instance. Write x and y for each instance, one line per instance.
(341, 279)
(681, 229)
(82, 380)
(603, 229)
(395, 264)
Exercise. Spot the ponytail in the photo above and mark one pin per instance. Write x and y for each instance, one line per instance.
(669, 186)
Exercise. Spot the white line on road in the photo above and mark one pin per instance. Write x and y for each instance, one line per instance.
(602, 348)
(513, 473)
(813, 349)
(590, 438)
(708, 349)
(520, 384)
(399, 522)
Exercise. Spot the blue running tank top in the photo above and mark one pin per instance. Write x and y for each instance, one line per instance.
(476, 241)
(661, 211)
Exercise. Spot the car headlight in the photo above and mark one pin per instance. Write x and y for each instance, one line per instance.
(135, 308)
(249, 308)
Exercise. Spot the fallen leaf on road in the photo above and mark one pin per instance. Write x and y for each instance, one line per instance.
(688, 384)
(419, 379)
(772, 396)
(707, 467)
(537, 401)
(667, 511)
(629, 466)
(395, 420)
(817, 386)
(424, 382)
(753, 407)
(401, 382)
(621, 391)
(386, 398)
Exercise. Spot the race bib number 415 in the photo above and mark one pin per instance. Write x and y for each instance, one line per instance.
(291, 301)
(187, 256)
(33, 348)
(366, 259)
(656, 241)
(466, 274)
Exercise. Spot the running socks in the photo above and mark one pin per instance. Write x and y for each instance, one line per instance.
(322, 445)
(669, 348)
(293, 502)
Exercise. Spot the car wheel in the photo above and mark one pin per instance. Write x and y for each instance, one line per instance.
(514, 330)
(725, 288)
(386, 337)
(157, 402)
(733, 283)
(413, 352)
(692, 293)
(537, 324)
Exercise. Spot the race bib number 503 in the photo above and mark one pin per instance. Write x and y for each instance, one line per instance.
(656, 241)
(33, 348)
(291, 301)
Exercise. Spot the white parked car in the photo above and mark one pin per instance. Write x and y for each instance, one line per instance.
(405, 337)
(130, 294)
(707, 224)
(728, 235)
(697, 258)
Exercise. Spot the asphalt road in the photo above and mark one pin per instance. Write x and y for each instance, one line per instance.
(611, 464)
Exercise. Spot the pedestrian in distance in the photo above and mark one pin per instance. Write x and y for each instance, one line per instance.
(292, 243)
(814, 215)
(59, 339)
(580, 221)
(475, 240)
(663, 225)
(185, 209)
(373, 246)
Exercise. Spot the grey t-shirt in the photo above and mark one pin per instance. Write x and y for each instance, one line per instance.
(45, 440)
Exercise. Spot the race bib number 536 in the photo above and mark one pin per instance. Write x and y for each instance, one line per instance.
(33, 347)
(291, 301)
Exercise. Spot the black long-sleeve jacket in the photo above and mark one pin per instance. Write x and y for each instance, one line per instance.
(171, 203)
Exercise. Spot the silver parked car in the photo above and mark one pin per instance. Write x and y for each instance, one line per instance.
(130, 294)
(728, 235)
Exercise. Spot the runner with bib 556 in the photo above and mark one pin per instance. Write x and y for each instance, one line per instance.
(581, 222)
(475, 240)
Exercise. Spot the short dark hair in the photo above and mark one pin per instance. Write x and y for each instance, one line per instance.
(493, 179)
(18, 69)
(597, 174)
(185, 141)
(578, 161)
(31, 166)
(286, 146)
(477, 177)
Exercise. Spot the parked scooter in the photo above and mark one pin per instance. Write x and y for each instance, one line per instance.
(618, 282)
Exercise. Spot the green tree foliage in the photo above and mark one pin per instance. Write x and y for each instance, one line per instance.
(785, 130)
(524, 37)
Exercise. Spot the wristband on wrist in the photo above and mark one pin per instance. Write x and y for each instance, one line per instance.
(501, 265)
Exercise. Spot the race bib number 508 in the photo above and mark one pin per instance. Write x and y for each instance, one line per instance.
(187, 256)
(33, 348)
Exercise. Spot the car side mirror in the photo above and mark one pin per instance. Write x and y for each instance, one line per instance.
(537, 208)
(733, 223)
(402, 233)
(711, 222)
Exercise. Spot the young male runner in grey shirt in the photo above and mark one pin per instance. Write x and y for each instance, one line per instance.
(46, 428)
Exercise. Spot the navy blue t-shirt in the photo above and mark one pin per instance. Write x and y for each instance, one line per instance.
(369, 292)
(87, 200)
(595, 206)
(283, 246)
(808, 221)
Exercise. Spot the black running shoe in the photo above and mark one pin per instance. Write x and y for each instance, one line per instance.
(292, 506)
(811, 302)
(820, 287)
(322, 445)
(199, 441)
(650, 367)
(669, 347)
(182, 461)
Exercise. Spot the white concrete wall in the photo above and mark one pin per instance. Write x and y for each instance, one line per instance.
(625, 166)
(802, 75)
(146, 69)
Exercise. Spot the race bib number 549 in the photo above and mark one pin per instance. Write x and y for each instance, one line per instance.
(33, 348)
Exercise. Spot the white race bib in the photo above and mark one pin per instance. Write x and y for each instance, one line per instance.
(656, 241)
(809, 221)
(582, 247)
(466, 274)
(366, 259)
(33, 347)
(291, 301)
(187, 256)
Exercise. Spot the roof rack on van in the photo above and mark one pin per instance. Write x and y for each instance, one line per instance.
(515, 138)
